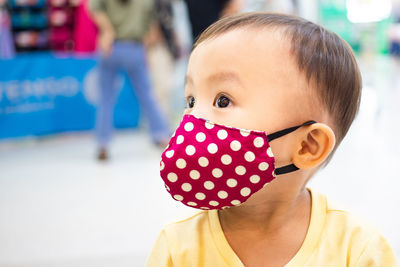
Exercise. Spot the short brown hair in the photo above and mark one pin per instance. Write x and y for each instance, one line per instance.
(325, 58)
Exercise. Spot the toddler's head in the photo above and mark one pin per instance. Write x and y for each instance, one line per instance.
(263, 72)
(275, 71)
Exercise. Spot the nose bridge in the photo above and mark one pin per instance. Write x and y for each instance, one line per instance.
(201, 111)
(202, 108)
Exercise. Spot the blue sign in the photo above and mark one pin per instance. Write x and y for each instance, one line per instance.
(43, 94)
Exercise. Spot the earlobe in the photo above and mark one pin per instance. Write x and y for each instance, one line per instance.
(315, 143)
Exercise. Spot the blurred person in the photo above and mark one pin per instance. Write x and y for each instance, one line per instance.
(260, 121)
(7, 49)
(394, 31)
(205, 12)
(165, 19)
(85, 31)
(123, 26)
(163, 52)
(394, 39)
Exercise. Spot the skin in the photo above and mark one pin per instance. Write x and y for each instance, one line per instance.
(232, 7)
(107, 33)
(256, 71)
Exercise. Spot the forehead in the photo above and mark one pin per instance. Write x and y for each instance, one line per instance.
(262, 55)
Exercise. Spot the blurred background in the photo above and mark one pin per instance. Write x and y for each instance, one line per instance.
(70, 195)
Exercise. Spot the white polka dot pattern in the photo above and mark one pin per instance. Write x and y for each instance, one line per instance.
(211, 166)
(226, 159)
(178, 197)
(258, 142)
(231, 182)
(249, 156)
(209, 185)
(222, 134)
(203, 162)
(162, 165)
(245, 191)
(200, 196)
(263, 166)
(181, 163)
(217, 173)
(255, 179)
(213, 203)
(245, 133)
(194, 174)
(169, 154)
(190, 150)
(269, 152)
(179, 139)
(188, 126)
(212, 148)
(235, 145)
(235, 202)
(200, 137)
(172, 177)
(209, 125)
(240, 170)
(186, 187)
(222, 194)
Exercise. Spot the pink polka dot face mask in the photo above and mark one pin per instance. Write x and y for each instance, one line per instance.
(212, 166)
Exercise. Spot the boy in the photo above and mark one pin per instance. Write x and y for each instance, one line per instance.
(264, 72)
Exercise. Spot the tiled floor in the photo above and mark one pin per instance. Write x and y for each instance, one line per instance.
(59, 207)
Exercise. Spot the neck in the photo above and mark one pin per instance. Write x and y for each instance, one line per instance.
(277, 217)
(269, 213)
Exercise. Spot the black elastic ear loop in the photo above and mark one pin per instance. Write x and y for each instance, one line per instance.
(290, 167)
(287, 131)
(286, 169)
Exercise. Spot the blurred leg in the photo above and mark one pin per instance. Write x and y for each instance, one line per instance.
(108, 93)
(137, 70)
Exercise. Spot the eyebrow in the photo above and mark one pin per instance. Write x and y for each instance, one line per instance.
(188, 79)
(218, 77)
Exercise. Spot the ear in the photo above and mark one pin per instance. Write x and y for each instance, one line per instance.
(314, 145)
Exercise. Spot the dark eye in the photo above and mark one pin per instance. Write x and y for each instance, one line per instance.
(190, 102)
(222, 102)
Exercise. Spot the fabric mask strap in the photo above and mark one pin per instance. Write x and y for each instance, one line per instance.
(290, 167)
(287, 131)
(286, 169)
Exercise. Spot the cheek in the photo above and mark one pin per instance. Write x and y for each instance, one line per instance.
(257, 117)
(283, 149)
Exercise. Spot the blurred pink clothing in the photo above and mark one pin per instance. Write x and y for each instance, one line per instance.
(85, 35)
(7, 49)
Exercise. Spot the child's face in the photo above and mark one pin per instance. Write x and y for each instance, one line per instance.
(247, 78)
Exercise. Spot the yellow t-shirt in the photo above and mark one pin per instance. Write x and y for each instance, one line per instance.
(334, 238)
